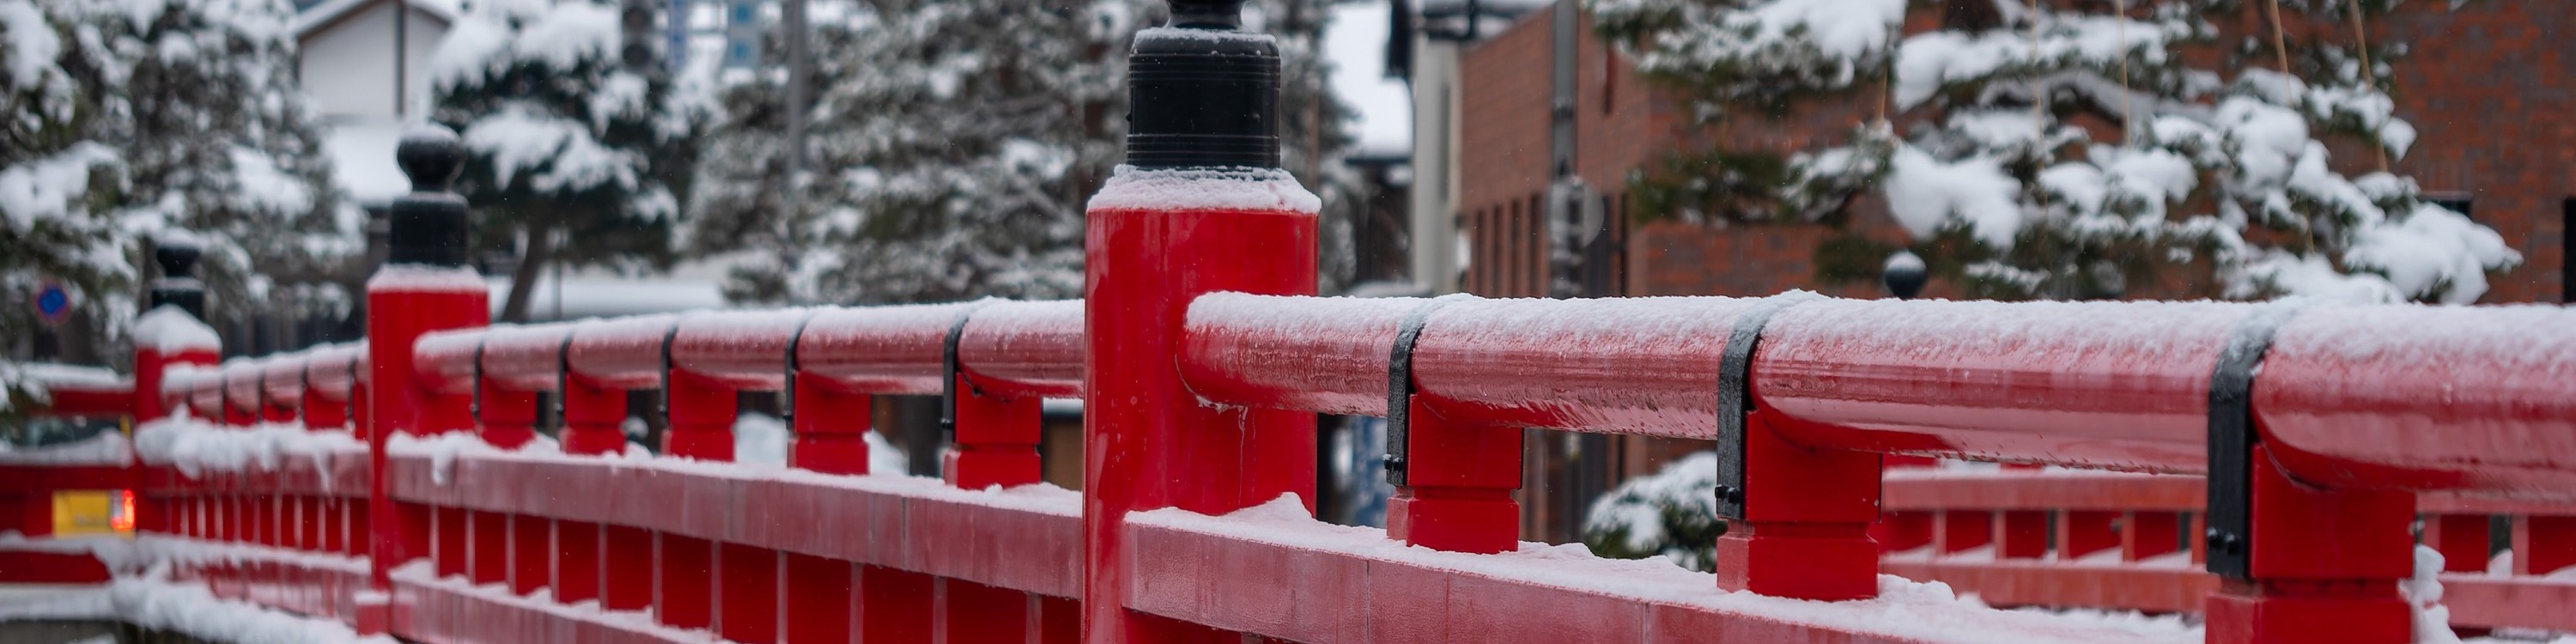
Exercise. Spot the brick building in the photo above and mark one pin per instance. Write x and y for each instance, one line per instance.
(2491, 87)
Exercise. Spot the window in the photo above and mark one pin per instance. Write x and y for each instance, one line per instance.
(2457, 203)
(743, 13)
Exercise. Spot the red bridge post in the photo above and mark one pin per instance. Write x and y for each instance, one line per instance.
(1201, 208)
(1458, 481)
(425, 286)
(168, 335)
(2322, 565)
(1804, 531)
(700, 412)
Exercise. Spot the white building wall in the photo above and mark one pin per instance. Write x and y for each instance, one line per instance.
(1436, 263)
(423, 41)
(348, 67)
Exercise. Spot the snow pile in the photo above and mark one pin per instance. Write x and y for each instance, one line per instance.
(1904, 609)
(106, 448)
(152, 601)
(2424, 599)
(169, 330)
(1672, 513)
(445, 447)
(759, 439)
(1252, 189)
(197, 447)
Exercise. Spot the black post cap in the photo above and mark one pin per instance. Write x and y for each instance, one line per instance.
(1905, 275)
(1203, 93)
(177, 257)
(428, 226)
(1207, 14)
(178, 285)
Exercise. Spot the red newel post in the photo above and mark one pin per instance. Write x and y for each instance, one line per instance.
(592, 413)
(424, 286)
(167, 335)
(2322, 565)
(996, 440)
(1456, 492)
(1202, 207)
(1806, 513)
(831, 426)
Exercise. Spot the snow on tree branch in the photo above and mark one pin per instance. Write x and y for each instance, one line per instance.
(1986, 158)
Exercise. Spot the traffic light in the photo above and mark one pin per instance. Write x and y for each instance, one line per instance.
(636, 23)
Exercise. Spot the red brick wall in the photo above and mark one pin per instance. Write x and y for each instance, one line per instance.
(2491, 88)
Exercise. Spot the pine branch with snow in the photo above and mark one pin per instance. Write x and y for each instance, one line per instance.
(1672, 513)
(572, 156)
(2039, 151)
(952, 146)
(133, 120)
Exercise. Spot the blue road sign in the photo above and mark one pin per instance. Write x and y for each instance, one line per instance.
(53, 303)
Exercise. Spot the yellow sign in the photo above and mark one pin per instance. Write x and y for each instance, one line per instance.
(88, 512)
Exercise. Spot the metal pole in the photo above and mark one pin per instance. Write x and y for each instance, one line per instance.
(800, 69)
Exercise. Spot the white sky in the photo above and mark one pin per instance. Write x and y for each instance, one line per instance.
(1383, 108)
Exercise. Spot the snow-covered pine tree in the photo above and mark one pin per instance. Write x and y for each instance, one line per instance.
(573, 156)
(953, 145)
(2071, 150)
(217, 138)
(156, 118)
(1672, 513)
(58, 228)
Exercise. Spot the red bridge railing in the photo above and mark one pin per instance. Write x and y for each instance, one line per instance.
(404, 485)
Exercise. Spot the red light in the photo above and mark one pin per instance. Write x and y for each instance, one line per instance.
(121, 518)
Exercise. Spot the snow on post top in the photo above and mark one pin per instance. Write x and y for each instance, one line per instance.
(1268, 189)
(169, 330)
(431, 156)
(1209, 36)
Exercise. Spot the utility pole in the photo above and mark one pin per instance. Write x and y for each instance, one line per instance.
(800, 68)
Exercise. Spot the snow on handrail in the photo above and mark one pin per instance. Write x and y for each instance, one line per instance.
(1014, 348)
(885, 349)
(2413, 396)
(1025, 348)
(1631, 365)
(336, 370)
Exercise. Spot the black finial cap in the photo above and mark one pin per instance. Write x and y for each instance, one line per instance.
(428, 226)
(1905, 275)
(1203, 93)
(431, 156)
(177, 257)
(178, 285)
(1207, 14)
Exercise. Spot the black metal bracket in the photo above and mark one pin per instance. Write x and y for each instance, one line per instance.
(668, 336)
(948, 370)
(2231, 440)
(1735, 399)
(1399, 385)
(563, 382)
(475, 381)
(787, 386)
